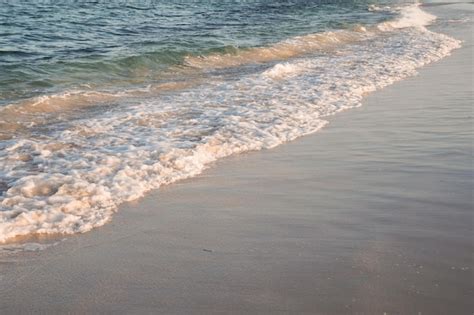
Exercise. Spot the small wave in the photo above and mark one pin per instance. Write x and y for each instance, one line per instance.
(286, 49)
(284, 70)
(409, 16)
(44, 109)
(38, 111)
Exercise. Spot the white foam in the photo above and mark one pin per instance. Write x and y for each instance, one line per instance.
(73, 179)
(376, 8)
(409, 16)
(284, 70)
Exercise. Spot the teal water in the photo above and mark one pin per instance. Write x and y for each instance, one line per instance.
(48, 47)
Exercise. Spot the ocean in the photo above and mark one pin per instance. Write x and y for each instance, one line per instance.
(102, 102)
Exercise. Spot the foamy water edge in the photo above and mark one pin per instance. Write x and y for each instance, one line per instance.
(74, 180)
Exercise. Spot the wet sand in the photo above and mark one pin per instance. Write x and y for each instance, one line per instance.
(371, 215)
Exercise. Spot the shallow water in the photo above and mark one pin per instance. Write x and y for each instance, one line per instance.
(50, 47)
(68, 159)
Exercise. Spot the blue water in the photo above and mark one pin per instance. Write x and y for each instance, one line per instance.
(48, 46)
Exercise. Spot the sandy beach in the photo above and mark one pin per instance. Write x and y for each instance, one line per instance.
(371, 215)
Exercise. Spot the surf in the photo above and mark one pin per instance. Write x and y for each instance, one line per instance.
(73, 178)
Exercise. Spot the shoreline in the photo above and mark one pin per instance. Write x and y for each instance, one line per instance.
(371, 214)
(81, 173)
